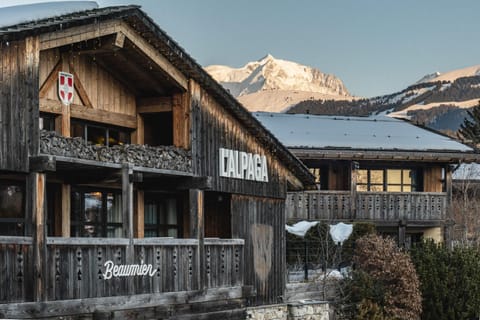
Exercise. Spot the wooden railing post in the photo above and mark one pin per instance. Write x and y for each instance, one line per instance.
(353, 189)
(449, 222)
(197, 221)
(36, 199)
(127, 215)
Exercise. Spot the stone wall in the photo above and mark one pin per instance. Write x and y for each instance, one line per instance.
(161, 157)
(302, 310)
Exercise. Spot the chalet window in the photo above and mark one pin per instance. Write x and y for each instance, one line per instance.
(12, 212)
(391, 180)
(321, 176)
(46, 122)
(158, 128)
(162, 216)
(98, 134)
(96, 213)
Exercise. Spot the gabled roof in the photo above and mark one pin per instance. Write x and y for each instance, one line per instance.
(378, 134)
(176, 55)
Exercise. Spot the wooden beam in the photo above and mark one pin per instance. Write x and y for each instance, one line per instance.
(59, 38)
(42, 163)
(66, 209)
(85, 113)
(154, 55)
(119, 40)
(51, 79)
(79, 87)
(36, 184)
(152, 105)
(181, 121)
(77, 34)
(140, 215)
(197, 231)
(127, 215)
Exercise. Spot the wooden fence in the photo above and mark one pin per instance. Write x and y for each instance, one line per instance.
(374, 206)
(76, 268)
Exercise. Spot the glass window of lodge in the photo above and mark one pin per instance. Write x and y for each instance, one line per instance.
(390, 180)
(99, 135)
(12, 212)
(96, 214)
(162, 216)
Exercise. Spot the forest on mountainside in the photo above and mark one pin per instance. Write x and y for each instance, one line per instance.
(446, 116)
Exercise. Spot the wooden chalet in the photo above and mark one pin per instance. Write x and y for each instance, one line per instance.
(132, 185)
(379, 169)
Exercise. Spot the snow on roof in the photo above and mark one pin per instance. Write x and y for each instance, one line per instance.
(467, 171)
(375, 133)
(14, 15)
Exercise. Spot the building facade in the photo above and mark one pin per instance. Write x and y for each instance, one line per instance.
(131, 183)
(381, 170)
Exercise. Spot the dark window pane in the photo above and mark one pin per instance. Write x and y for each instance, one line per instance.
(12, 216)
(96, 135)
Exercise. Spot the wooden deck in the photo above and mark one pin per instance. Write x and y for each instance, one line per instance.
(377, 207)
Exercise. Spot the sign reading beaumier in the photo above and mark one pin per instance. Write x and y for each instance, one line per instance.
(243, 165)
(127, 270)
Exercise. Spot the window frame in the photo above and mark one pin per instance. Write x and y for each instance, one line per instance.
(17, 222)
(107, 132)
(78, 221)
(413, 186)
(158, 227)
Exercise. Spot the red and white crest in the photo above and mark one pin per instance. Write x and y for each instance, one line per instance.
(65, 87)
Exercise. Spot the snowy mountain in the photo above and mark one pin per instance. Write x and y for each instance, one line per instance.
(271, 84)
(438, 101)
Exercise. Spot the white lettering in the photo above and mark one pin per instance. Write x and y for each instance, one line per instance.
(223, 159)
(264, 169)
(242, 165)
(127, 270)
(231, 164)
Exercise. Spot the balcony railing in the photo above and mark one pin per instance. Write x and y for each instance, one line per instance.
(76, 268)
(373, 206)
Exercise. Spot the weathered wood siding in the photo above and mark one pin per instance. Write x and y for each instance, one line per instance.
(103, 90)
(18, 103)
(223, 262)
(213, 128)
(432, 179)
(261, 222)
(16, 269)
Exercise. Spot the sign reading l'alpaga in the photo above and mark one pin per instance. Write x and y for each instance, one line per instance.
(243, 165)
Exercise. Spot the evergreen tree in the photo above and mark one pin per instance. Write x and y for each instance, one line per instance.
(470, 128)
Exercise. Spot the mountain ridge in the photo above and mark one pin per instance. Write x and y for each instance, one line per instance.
(269, 74)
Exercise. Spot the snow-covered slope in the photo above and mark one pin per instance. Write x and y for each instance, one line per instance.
(275, 84)
(30, 12)
(452, 75)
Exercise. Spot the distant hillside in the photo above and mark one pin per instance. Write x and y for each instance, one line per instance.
(271, 84)
(438, 104)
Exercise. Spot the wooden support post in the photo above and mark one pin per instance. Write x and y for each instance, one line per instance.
(66, 210)
(36, 185)
(353, 189)
(64, 120)
(197, 231)
(449, 221)
(127, 215)
(140, 215)
(402, 230)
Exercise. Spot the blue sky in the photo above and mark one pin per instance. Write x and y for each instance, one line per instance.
(374, 46)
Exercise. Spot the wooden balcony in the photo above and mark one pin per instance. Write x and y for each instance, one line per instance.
(75, 267)
(377, 207)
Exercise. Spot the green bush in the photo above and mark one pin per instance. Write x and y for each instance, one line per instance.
(450, 281)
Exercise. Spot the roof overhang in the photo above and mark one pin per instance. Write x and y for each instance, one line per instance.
(385, 155)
